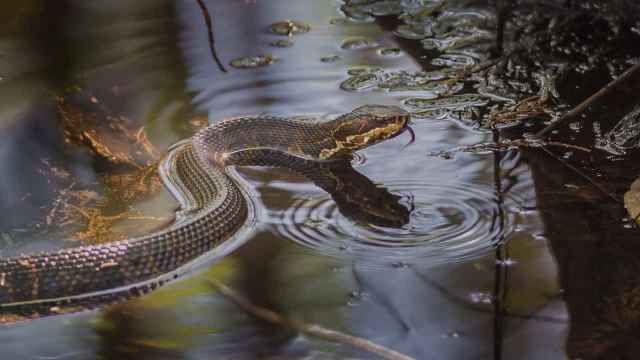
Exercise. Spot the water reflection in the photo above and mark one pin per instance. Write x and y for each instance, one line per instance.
(452, 301)
(356, 196)
(448, 223)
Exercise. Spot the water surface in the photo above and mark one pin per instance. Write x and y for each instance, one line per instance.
(470, 276)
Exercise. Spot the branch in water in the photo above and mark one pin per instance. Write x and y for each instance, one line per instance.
(307, 329)
(207, 20)
(573, 113)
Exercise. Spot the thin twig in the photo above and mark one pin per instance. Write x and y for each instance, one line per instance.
(307, 329)
(573, 113)
(582, 174)
(207, 20)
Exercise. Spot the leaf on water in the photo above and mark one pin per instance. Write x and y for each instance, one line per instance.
(632, 200)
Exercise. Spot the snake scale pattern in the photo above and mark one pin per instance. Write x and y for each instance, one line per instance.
(214, 207)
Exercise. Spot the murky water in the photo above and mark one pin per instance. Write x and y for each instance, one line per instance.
(470, 275)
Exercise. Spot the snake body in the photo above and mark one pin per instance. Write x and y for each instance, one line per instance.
(213, 207)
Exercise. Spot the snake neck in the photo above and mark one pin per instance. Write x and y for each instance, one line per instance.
(247, 141)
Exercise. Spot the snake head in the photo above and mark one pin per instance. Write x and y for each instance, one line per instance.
(366, 126)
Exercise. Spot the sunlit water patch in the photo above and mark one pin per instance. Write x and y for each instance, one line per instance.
(448, 223)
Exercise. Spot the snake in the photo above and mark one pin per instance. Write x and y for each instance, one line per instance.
(214, 205)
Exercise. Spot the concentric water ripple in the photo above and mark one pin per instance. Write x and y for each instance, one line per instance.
(449, 223)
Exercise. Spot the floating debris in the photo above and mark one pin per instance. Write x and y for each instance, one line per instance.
(283, 43)
(511, 115)
(575, 126)
(432, 89)
(330, 59)
(466, 116)
(450, 42)
(431, 84)
(413, 32)
(360, 82)
(449, 102)
(355, 14)
(423, 76)
(390, 52)
(338, 21)
(437, 114)
(382, 8)
(367, 77)
(624, 136)
(289, 28)
(497, 93)
(358, 43)
(454, 60)
(249, 62)
(364, 69)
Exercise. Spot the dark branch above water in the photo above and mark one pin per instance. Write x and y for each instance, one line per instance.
(208, 22)
(628, 76)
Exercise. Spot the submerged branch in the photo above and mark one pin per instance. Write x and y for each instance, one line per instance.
(207, 20)
(307, 329)
(583, 175)
(573, 113)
